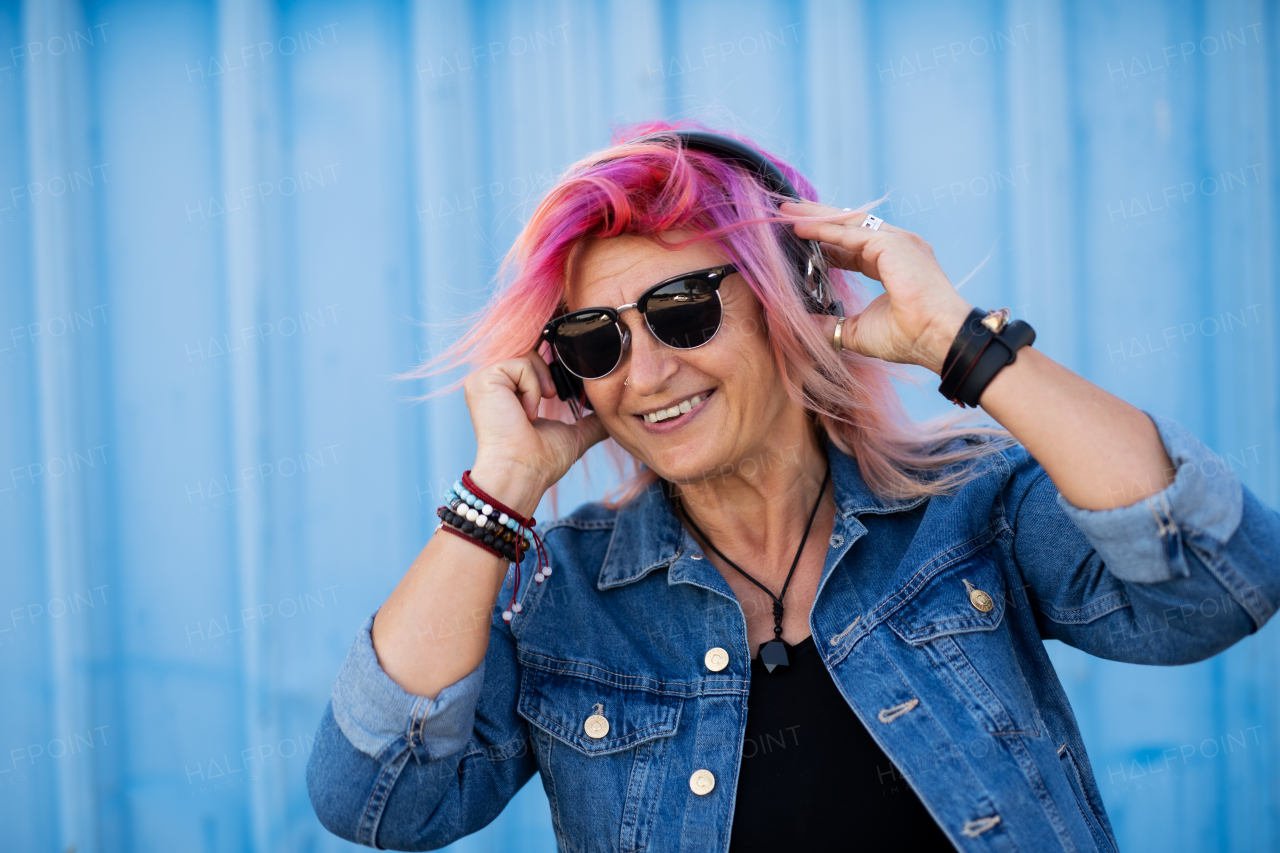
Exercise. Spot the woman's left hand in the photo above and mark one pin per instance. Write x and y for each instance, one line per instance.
(917, 317)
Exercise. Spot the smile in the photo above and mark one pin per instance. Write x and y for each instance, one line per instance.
(684, 407)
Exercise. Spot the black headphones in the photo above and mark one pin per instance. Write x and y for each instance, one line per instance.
(807, 254)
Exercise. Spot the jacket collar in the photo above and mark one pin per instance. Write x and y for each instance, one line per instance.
(648, 535)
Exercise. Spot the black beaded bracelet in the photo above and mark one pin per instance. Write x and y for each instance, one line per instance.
(480, 534)
(979, 352)
(491, 526)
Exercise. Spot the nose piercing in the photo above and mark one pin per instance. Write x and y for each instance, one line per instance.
(627, 381)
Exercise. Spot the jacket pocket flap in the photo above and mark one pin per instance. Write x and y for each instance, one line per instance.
(562, 704)
(966, 596)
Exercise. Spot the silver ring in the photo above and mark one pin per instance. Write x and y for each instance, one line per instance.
(873, 222)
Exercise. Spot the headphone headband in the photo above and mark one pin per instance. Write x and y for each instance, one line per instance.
(729, 148)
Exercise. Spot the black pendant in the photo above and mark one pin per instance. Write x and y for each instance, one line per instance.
(774, 654)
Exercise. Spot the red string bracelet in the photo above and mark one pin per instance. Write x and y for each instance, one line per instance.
(494, 502)
(474, 541)
(544, 563)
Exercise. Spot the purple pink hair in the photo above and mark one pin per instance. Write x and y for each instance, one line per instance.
(650, 187)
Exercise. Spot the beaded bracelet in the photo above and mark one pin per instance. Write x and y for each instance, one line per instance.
(506, 555)
(483, 520)
(480, 507)
(481, 535)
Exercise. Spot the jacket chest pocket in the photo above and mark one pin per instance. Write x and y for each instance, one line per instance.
(601, 750)
(957, 618)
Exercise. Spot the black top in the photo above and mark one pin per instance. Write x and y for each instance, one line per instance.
(812, 778)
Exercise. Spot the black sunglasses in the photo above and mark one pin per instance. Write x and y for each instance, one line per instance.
(682, 312)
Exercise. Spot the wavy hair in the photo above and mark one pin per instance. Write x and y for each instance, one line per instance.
(649, 187)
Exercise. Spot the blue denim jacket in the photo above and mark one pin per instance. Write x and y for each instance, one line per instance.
(954, 686)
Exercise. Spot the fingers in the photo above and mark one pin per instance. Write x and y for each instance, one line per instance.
(847, 245)
(521, 378)
(853, 220)
(840, 257)
(543, 372)
(531, 377)
(851, 247)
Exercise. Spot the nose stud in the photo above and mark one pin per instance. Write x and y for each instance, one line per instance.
(627, 381)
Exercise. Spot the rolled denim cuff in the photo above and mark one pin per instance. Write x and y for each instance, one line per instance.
(1144, 542)
(373, 711)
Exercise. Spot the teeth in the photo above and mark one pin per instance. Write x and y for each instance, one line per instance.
(674, 411)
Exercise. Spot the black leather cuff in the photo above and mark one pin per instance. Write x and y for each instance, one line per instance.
(978, 354)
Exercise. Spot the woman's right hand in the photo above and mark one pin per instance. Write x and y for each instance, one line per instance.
(518, 454)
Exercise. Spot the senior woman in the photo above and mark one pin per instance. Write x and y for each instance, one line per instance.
(807, 621)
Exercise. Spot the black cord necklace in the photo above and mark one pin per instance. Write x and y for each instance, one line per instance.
(775, 652)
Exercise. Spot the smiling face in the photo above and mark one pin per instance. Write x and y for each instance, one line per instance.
(741, 409)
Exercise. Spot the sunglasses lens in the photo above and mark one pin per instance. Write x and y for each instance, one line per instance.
(589, 344)
(684, 314)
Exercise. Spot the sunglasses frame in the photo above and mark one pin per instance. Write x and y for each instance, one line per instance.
(713, 276)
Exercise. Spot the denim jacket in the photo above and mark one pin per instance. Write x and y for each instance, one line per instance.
(930, 615)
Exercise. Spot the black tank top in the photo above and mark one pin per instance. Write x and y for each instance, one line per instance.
(812, 778)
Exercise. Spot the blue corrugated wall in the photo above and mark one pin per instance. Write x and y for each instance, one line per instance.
(223, 226)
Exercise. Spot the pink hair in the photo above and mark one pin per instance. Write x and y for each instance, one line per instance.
(651, 187)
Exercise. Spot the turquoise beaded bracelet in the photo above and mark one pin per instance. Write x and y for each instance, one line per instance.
(480, 509)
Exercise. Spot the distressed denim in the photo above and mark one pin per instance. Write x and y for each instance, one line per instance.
(955, 687)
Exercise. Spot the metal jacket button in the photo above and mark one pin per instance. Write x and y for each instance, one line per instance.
(701, 782)
(716, 659)
(981, 600)
(596, 726)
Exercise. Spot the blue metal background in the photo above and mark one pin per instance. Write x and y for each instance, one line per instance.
(224, 225)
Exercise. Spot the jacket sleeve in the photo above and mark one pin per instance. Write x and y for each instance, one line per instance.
(393, 770)
(1174, 578)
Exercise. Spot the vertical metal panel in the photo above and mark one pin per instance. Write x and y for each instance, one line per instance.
(61, 275)
(286, 195)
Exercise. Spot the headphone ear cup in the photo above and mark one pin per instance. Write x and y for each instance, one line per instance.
(817, 287)
(568, 386)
